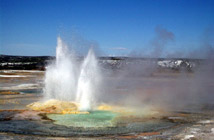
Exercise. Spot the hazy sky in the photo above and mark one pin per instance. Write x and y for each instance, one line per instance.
(118, 27)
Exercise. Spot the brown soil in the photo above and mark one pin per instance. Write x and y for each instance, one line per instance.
(8, 93)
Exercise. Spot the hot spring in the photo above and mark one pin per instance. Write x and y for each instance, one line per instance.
(70, 91)
(105, 97)
(71, 88)
(100, 97)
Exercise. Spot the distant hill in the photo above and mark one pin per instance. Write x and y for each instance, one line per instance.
(39, 62)
(24, 62)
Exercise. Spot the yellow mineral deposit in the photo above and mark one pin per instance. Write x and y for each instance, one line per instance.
(56, 106)
(128, 110)
(115, 108)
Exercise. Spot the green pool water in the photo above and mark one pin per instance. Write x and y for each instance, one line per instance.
(92, 120)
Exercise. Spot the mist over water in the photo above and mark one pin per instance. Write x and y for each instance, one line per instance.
(143, 83)
(65, 79)
(139, 83)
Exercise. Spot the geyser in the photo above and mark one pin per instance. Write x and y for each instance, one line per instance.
(88, 81)
(66, 80)
(61, 75)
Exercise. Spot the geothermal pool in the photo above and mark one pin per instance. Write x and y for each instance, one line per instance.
(19, 122)
(73, 99)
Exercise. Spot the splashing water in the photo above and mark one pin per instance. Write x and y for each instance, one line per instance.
(88, 81)
(65, 80)
(60, 77)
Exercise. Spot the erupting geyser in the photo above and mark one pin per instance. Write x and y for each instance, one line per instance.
(60, 76)
(88, 82)
(66, 80)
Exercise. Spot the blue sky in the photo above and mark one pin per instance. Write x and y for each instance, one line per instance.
(117, 27)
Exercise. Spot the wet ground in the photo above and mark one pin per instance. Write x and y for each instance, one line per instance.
(20, 88)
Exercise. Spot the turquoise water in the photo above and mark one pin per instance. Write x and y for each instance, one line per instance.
(93, 119)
